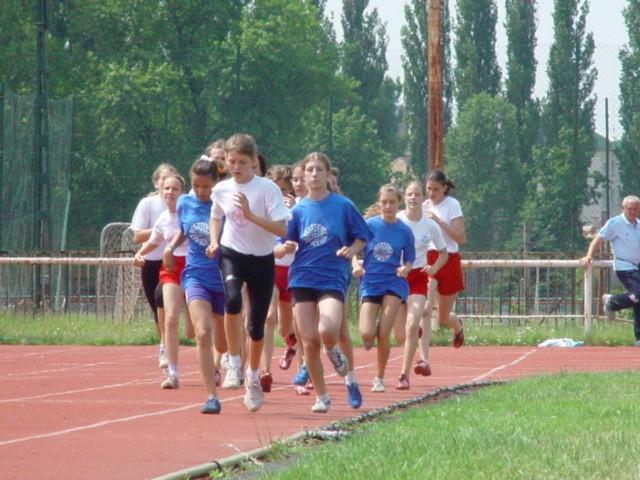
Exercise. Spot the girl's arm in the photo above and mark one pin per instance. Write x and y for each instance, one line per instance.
(140, 236)
(404, 270)
(455, 230)
(138, 258)
(431, 270)
(276, 227)
(168, 259)
(214, 233)
(356, 267)
(352, 250)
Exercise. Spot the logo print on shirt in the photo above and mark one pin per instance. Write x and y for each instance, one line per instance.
(199, 233)
(315, 235)
(238, 218)
(424, 240)
(382, 251)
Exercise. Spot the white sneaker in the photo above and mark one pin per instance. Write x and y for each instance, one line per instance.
(232, 378)
(339, 361)
(320, 406)
(637, 343)
(611, 315)
(163, 361)
(377, 385)
(225, 361)
(253, 396)
(170, 383)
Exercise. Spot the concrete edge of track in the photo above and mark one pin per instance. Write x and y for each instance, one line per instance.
(332, 431)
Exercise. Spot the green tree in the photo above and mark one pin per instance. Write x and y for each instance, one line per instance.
(364, 58)
(628, 151)
(414, 63)
(521, 72)
(482, 152)
(477, 68)
(561, 186)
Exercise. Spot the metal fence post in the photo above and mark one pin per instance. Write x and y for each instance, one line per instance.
(588, 293)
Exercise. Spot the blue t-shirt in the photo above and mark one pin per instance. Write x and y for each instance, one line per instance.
(391, 246)
(321, 228)
(193, 216)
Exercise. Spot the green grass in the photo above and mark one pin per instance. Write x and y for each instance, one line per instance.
(578, 426)
(92, 330)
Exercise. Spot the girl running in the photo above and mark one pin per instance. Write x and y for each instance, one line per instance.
(327, 231)
(388, 258)
(147, 212)
(164, 230)
(446, 212)
(201, 277)
(255, 215)
(427, 235)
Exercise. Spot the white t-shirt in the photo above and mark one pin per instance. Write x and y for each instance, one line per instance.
(427, 235)
(447, 210)
(165, 229)
(145, 216)
(265, 200)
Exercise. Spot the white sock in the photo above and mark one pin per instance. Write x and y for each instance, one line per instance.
(162, 347)
(234, 360)
(173, 370)
(325, 398)
(350, 378)
(633, 298)
(252, 375)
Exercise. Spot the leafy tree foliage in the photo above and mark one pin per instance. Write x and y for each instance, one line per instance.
(482, 152)
(562, 161)
(628, 152)
(477, 68)
(521, 72)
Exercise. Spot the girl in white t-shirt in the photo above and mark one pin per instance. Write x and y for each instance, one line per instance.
(254, 216)
(164, 230)
(427, 235)
(147, 212)
(446, 212)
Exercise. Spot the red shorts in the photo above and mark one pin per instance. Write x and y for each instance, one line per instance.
(173, 277)
(418, 281)
(282, 283)
(449, 277)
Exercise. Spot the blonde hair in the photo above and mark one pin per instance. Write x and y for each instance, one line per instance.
(280, 172)
(159, 173)
(177, 176)
(242, 143)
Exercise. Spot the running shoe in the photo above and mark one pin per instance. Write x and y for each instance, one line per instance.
(339, 361)
(377, 386)
(422, 368)
(218, 377)
(163, 361)
(170, 383)
(287, 358)
(232, 378)
(403, 383)
(212, 405)
(265, 381)
(320, 406)
(301, 390)
(354, 397)
(225, 362)
(606, 306)
(253, 396)
(301, 377)
(458, 339)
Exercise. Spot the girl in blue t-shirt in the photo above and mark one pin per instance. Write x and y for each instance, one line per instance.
(328, 231)
(388, 259)
(201, 279)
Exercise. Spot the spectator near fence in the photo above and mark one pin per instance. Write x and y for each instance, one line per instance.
(623, 231)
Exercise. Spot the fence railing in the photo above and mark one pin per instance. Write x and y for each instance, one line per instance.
(506, 291)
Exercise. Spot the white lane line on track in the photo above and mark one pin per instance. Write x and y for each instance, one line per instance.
(42, 353)
(521, 358)
(136, 382)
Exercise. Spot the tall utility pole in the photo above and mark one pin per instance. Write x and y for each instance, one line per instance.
(41, 233)
(435, 125)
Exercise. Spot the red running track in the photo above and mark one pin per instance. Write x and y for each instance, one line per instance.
(99, 412)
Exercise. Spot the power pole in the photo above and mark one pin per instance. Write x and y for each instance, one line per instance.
(435, 126)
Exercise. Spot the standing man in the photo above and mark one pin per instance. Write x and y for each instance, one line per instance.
(623, 232)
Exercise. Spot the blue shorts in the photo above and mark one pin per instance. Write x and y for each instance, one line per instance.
(198, 292)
